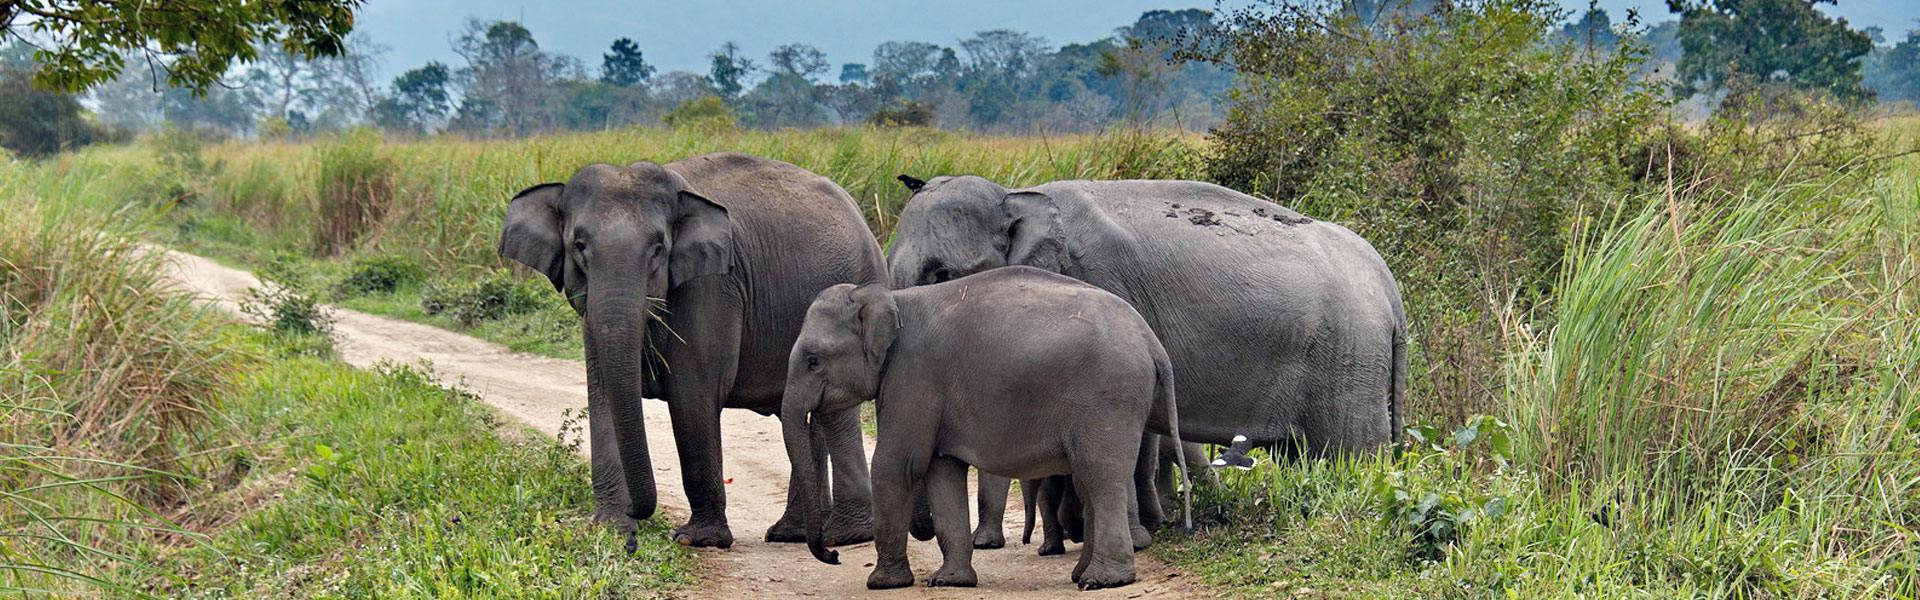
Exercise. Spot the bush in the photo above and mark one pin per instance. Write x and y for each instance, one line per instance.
(489, 299)
(706, 113)
(1458, 141)
(355, 191)
(380, 275)
(903, 113)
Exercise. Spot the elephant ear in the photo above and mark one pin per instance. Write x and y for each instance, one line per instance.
(702, 240)
(879, 319)
(1033, 231)
(530, 233)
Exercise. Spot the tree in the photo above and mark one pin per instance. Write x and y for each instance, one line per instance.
(1894, 71)
(508, 78)
(623, 66)
(420, 99)
(1732, 42)
(854, 73)
(37, 122)
(730, 70)
(787, 97)
(195, 42)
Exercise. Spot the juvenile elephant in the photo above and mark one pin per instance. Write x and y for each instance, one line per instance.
(1286, 330)
(1014, 371)
(691, 279)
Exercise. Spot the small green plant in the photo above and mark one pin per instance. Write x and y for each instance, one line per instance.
(1423, 494)
(287, 310)
(379, 275)
(489, 299)
(284, 305)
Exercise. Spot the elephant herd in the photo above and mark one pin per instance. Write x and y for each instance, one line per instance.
(1074, 328)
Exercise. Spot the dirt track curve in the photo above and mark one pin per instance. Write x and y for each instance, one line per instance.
(536, 389)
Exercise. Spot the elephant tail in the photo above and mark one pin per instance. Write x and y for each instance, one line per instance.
(1029, 494)
(1397, 383)
(1163, 392)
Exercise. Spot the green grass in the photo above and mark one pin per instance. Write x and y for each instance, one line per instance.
(1725, 408)
(385, 484)
(152, 448)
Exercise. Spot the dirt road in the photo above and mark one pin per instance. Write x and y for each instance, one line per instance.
(537, 389)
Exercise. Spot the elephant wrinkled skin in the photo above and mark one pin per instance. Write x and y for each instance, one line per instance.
(691, 280)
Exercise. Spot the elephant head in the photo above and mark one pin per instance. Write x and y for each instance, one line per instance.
(957, 226)
(836, 364)
(611, 239)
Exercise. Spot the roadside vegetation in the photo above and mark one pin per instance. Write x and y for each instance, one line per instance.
(1651, 358)
(153, 448)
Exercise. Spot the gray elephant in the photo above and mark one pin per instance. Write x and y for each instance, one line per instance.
(1286, 330)
(1014, 371)
(691, 280)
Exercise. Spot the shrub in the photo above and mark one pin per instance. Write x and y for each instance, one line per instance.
(706, 113)
(1458, 141)
(355, 191)
(488, 299)
(380, 275)
(903, 113)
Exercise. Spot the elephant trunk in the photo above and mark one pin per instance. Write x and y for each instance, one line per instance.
(807, 450)
(616, 337)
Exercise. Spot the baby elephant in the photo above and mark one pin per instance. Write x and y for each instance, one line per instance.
(1015, 371)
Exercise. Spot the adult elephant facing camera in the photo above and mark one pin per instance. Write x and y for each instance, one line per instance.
(1283, 329)
(691, 280)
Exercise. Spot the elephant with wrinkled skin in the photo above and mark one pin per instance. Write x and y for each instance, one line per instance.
(1014, 371)
(1284, 329)
(691, 279)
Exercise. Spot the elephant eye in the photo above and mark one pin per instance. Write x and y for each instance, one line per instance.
(813, 363)
(579, 246)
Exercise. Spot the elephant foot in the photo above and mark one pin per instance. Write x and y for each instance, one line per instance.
(849, 526)
(953, 577)
(1052, 548)
(790, 529)
(1095, 579)
(704, 535)
(887, 578)
(988, 538)
(1141, 538)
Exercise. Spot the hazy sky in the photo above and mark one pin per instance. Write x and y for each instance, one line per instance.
(679, 34)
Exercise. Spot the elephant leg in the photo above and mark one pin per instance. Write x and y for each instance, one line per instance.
(696, 387)
(1052, 539)
(946, 486)
(1144, 515)
(610, 496)
(892, 507)
(992, 497)
(1070, 510)
(851, 519)
(696, 435)
(1029, 497)
(791, 528)
(1107, 559)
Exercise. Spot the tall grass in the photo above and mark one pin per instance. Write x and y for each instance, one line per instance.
(101, 377)
(447, 195)
(1732, 381)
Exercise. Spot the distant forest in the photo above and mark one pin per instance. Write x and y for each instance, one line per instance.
(999, 81)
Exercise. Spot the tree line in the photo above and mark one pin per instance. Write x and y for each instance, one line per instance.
(504, 83)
